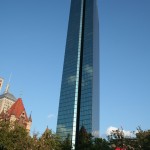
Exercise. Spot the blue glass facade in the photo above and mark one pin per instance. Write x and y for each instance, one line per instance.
(79, 97)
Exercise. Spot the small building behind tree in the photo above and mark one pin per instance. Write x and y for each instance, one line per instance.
(17, 114)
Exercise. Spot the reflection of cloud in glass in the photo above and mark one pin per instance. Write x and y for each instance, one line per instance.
(95, 133)
(71, 79)
(88, 69)
(63, 130)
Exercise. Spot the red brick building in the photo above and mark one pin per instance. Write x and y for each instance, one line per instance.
(17, 114)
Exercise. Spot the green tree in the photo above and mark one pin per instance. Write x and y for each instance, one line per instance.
(118, 139)
(101, 144)
(48, 141)
(85, 141)
(143, 139)
(14, 137)
(66, 144)
(4, 134)
(20, 138)
(35, 141)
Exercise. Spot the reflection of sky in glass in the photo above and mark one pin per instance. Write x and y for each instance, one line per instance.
(71, 79)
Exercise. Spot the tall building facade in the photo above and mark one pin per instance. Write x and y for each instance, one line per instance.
(79, 97)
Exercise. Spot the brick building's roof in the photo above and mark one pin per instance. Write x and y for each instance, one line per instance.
(17, 109)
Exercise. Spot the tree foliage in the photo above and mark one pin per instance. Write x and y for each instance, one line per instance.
(88, 142)
(66, 144)
(141, 141)
(85, 140)
(49, 141)
(101, 144)
(16, 137)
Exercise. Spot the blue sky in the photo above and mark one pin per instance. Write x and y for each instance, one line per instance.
(32, 43)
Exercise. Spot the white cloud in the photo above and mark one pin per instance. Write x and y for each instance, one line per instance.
(50, 116)
(126, 133)
(110, 129)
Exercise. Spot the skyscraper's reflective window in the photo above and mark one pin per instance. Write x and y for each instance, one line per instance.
(79, 97)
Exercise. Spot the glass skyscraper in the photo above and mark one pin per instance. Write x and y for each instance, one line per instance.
(79, 97)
